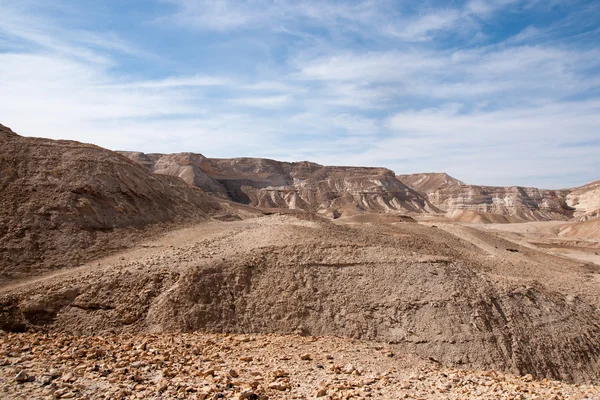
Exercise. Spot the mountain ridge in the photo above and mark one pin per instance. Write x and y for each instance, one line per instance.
(63, 202)
(330, 190)
(344, 191)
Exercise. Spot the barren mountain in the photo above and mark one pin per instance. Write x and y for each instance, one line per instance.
(333, 191)
(586, 201)
(463, 202)
(430, 182)
(64, 202)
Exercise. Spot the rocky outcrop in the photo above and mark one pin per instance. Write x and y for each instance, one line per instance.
(333, 191)
(430, 182)
(187, 166)
(514, 202)
(586, 201)
(63, 202)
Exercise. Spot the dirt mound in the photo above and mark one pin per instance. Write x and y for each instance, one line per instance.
(332, 191)
(65, 202)
(427, 291)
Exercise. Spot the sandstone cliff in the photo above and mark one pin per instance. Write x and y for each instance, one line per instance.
(333, 191)
(514, 203)
(586, 201)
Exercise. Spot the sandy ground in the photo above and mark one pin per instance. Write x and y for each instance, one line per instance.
(544, 236)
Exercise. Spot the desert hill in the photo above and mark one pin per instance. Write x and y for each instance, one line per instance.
(462, 201)
(346, 191)
(430, 182)
(335, 256)
(332, 191)
(456, 295)
(64, 202)
(586, 201)
(589, 229)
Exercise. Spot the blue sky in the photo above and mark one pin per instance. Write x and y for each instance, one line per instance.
(499, 92)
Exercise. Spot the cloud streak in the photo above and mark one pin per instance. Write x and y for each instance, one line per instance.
(430, 88)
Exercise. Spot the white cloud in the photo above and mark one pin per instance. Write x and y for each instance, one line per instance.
(488, 114)
(462, 74)
(223, 15)
(421, 27)
(175, 82)
(263, 102)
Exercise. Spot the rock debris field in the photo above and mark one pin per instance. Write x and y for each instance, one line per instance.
(218, 366)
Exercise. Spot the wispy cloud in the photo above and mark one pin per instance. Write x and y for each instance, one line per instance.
(437, 86)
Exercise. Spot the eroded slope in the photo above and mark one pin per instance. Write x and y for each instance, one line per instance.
(476, 303)
(333, 191)
(462, 201)
(586, 201)
(63, 202)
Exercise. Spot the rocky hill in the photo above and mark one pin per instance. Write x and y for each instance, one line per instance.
(473, 203)
(430, 182)
(64, 202)
(586, 201)
(451, 294)
(346, 191)
(333, 191)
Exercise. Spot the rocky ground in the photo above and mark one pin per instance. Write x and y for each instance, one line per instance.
(463, 297)
(217, 366)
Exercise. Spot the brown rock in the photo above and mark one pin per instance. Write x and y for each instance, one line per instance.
(279, 385)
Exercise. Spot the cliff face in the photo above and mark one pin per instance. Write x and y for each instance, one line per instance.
(333, 191)
(430, 182)
(63, 201)
(337, 191)
(586, 201)
(516, 203)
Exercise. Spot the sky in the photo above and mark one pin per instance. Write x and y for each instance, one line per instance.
(496, 92)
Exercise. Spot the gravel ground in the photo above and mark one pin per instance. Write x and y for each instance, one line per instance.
(218, 366)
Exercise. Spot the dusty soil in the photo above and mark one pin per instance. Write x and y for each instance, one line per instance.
(462, 297)
(213, 366)
(575, 240)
